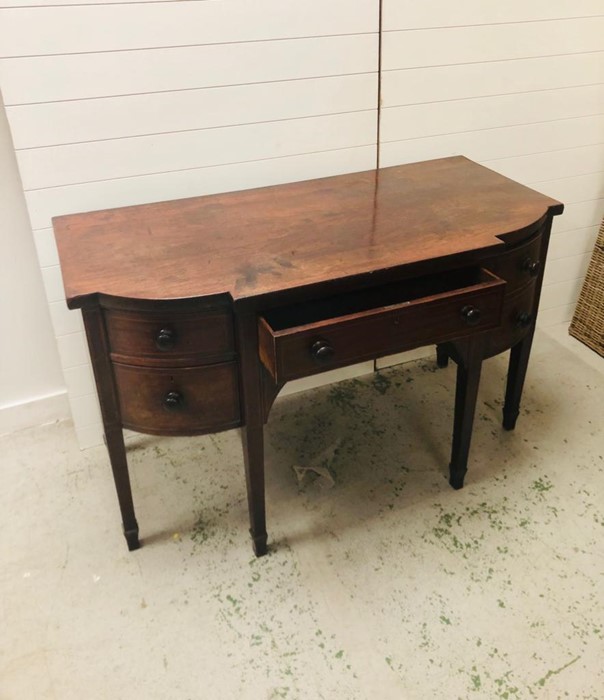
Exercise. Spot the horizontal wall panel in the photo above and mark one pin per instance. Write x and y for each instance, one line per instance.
(553, 164)
(502, 142)
(119, 117)
(52, 3)
(497, 42)
(53, 283)
(555, 315)
(88, 28)
(436, 13)
(46, 203)
(104, 160)
(415, 121)
(580, 188)
(73, 349)
(79, 380)
(440, 83)
(63, 320)
(579, 215)
(569, 243)
(569, 268)
(560, 293)
(86, 408)
(46, 247)
(54, 78)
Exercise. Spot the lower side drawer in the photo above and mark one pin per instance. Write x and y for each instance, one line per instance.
(517, 318)
(178, 401)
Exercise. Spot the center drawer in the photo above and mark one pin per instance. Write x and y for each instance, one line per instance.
(304, 339)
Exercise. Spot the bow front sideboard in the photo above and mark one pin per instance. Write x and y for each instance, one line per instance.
(198, 311)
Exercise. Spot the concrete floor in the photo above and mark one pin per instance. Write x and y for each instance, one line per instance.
(382, 582)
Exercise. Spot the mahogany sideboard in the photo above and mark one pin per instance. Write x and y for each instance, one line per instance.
(198, 311)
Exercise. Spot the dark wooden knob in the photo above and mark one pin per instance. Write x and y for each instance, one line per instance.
(531, 266)
(173, 400)
(524, 319)
(165, 339)
(471, 315)
(321, 351)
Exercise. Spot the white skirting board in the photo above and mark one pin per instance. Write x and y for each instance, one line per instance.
(37, 411)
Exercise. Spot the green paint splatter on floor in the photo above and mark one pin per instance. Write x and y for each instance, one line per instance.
(381, 383)
(541, 485)
(542, 681)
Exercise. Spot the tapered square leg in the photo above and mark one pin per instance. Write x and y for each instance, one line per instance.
(519, 359)
(252, 431)
(466, 392)
(114, 439)
(252, 438)
(110, 411)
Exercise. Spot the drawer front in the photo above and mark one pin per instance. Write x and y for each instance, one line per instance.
(516, 320)
(302, 351)
(169, 339)
(520, 266)
(181, 401)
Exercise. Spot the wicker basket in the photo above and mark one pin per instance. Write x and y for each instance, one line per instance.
(588, 322)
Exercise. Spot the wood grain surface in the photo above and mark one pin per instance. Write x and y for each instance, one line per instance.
(259, 242)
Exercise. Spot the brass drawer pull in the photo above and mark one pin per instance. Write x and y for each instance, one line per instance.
(471, 315)
(173, 401)
(321, 351)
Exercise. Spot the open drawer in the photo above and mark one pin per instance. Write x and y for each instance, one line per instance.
(322, 334)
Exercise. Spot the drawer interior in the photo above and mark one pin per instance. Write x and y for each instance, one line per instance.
(372, 298)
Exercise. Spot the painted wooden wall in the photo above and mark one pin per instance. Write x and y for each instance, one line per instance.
(517, 86)
(113, 103)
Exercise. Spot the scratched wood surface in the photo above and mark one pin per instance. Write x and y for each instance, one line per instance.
(259, 242)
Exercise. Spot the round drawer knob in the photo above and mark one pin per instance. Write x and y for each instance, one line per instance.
(471, 315)
(321, 351)
(173, 400)
(165, 339)
(531, 266)
(524, 319)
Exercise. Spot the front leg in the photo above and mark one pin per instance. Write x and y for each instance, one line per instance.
(114, 439)
(466, 392)
(252, 439)
(252, 432)
(98, 345)
(519, 358)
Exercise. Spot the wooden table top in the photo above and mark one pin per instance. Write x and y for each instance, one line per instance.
(267, 240)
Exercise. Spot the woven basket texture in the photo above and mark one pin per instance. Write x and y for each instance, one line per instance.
(588, 321)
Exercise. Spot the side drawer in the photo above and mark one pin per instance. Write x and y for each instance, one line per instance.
(181, 401)
(519, 266)
(517, 319)
(169, 338)
(305, 339)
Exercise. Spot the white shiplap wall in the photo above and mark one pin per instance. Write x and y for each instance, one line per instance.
(113, 103)
(130, 102)
(517, 86)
